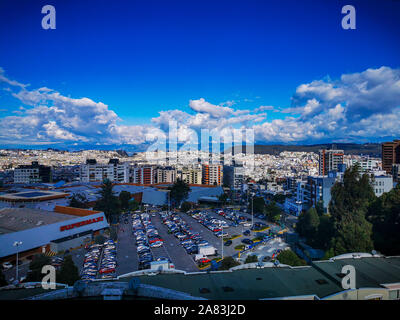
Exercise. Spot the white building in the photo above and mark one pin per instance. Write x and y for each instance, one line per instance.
(92, 171)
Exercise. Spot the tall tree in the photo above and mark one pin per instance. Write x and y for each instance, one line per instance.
(384, 214)
(258, 205)
(307, 225)
(179, 192)
(35, 267)
(108, 202)
(273, 212)
(79, 201)
(348, 207)
(124, 197)
(68, 272)
(3, 281)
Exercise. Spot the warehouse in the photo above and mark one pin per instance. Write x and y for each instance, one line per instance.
(43, 231)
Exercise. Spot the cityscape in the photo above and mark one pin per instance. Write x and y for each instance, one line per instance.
(150, 169)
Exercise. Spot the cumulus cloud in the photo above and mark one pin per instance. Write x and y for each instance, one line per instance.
(356, 107)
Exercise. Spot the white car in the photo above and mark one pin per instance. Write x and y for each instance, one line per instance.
(7, 265)
(247, 224)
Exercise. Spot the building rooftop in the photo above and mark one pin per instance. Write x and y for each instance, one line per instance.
(18, 219)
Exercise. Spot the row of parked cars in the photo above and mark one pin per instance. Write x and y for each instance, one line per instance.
(215, 225)
(146, 237)
(90, 264)
(108, 262)
(190, 241)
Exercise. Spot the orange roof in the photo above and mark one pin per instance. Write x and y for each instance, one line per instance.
(74, 211)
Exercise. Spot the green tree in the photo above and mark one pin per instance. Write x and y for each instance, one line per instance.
(68, 272)
(179, 192)
(79, 200)
(384, 214)
(308, 223)
(227, 263)
(258, 205)
(320, 208)
(349, 203)
(124, 197)
(223, 198)
(324, 233)
(186, 206)
(35, 267)
(290, 258)
(108, 202)
(3, 281)
(99, 239)
(133, 205)
(273, 212)
(251, 258)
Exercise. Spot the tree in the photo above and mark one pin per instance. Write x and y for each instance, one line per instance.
(349, 203)
(124, 197)
(35, 266)
(179, 192)
(384, 214)
(99, 239)
(227, 263)
(79, 200)
(273, 212)
(251, 258)
(68, 272)
(308, 223)
(108, 202)
(258, 205)
(223, 198)
(133, 205)
(320, 208)
(3, 281)
(290, 258)
(186, 206)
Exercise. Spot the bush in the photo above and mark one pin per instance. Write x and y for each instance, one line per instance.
(99, 239)
(290, 258)
(251, 258)
(68, 272)
(227, 263)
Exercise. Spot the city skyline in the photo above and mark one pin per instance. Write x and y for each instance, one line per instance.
(247, 68)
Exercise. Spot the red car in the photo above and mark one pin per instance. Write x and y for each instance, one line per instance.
(155, 240)
(217, 229)
(107, 270)
(204, 261)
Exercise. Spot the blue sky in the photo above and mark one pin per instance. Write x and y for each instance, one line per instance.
(139, 58)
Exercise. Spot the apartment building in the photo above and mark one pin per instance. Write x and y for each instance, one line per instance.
(33, 173)
(233, 176)
(381, 182)
(165, 175)
(115, 171)
(143, 174)
(365, 163)
(329, 160)
(191, 175)
(212, 174)
(390, 155)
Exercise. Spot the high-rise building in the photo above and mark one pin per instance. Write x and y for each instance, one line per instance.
(329, 160)
(34, 173)
(114, 171)
(143, 174)
(191, 175)
(390, 155)
(166, 175)
(233, 176)
(212, 174)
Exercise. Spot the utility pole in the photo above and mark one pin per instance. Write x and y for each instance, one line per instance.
(17, 244)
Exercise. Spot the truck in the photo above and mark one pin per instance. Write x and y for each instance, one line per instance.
(207, 251)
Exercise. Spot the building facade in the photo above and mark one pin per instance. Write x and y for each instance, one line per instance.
(212, 174)
(329, 160)
(115, 171)
(34, 173)
(390, 155)
(233, 176)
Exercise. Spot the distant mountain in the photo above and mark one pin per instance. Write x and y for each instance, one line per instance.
(371, 149)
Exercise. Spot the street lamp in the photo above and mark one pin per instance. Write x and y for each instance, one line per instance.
(17, 244)
(252, 213)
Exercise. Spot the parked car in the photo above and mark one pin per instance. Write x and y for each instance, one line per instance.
(247, 241)
(228, 243)
(7, 265)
